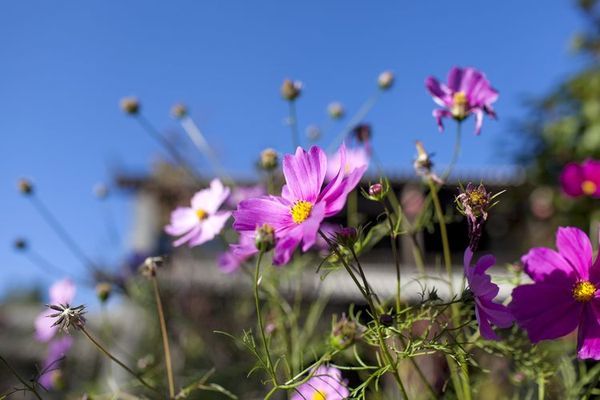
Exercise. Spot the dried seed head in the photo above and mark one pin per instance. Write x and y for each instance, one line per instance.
(25, 186)
(291, 90)
(265, 238)
(179, 111)
(385, 80)
(130, 105)
(269, 159)
(67, 317)
(336, 110)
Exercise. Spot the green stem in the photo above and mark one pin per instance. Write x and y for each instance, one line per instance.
(116, 360)
(455, 153)
(260, 320)
(23, 381)
(443, 232)
(165, 337)
(293, 121)
(352, 209)
(394, 243)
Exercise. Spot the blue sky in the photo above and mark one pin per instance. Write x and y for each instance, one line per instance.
(65, 65)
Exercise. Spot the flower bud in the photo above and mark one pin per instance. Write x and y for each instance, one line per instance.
(179, 111)
(386, 320)
(265, 238)
(343, 332)
(20, 244)
(103, 291)
(291, 90)
(375, 189)
(25, 186)
(362, 132)
(150, 266)
(347, 236)
(336, 110)
(101, 191)
(269, 159)
(385, 80)
(313, 132)
(378, 191)
(130, 105)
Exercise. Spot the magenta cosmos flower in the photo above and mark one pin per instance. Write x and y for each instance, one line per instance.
(51, 373)
(297, 214)
(326, 383)
(356, 157)
(61, 292)
(564, 294)
(241, 193)
(202, 221)
(238, 253)
(484, 291)
(581, 179)
(467, 92)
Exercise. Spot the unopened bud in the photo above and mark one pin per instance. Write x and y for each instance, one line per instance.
(265, 238)
(101, 191)
(269, 159)
(336, 110)
(375, 189)
(362, 132)
(385, 80)
(25, 186)
(343, 332)
(347, 236)
(179, 111)
(20, 244)
(386, 320)
(130, 105)
(103, 291)
(291, 90)
(150, 265)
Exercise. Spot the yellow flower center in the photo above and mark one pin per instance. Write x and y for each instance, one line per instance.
(459, 105)
(201, 214)
(588, 187)
(584, 291)
(319, 396)
(301, 210)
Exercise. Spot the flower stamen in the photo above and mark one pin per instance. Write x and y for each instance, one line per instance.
(301, 211)
(459, 105)
(201, 214)
(319, 395)
(589, 187)
(584, 291)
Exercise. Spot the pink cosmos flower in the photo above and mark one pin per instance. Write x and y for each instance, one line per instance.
(581, 179)
(51, 366)
(564, 295)
(468, 92)
(356, 157)
(238, 253)
(326, 383)
(202, 221)
(484, 291)
(241, 193)
(61, 292)
(297, 214)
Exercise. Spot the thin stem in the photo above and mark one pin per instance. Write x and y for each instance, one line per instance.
(455, 153)
(352, 209)
(60, 231)
(165, 144)
(23, 381)
(394, 243)
(443, 232)
(165, 338)
(293, 121)
(356, 118)
(260, 320)
(116, 360)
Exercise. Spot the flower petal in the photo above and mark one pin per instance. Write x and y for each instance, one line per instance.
(210, 227)
(183, 219)
(588, 337)
(304, 173)
(438, 114)
(440, 93)
(455, 77)
(211, 198)
(62, 292)
(571, 179)
(574, 245)
(255, 212)
(543, 264)
(545, 310)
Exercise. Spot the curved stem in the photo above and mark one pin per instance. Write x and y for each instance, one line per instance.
(165, 338)
(116, 360)
(443, 231)
(23, 381)
(455, 153)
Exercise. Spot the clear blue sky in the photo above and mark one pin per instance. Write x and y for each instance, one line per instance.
(66, 64)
